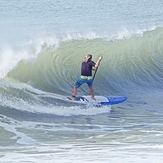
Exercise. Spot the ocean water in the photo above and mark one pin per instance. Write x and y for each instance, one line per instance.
(42, 44)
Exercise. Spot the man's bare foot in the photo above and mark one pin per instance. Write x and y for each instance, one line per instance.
(73, 97)
(92, 98)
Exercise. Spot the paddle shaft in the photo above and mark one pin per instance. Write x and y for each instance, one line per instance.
(94, 74)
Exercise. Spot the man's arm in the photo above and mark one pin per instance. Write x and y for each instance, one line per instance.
(98, 62)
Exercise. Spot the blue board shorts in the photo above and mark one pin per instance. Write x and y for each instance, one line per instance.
(81, 81)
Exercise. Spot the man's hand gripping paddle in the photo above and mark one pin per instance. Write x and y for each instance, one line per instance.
(100, 58)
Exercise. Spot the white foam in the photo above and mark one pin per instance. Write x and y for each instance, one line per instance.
(29, 51)
(81, 152)
(12, 126)
(36, 103)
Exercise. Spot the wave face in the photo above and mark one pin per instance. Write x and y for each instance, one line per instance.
(132, 65)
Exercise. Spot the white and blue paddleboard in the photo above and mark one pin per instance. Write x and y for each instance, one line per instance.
(102, 100)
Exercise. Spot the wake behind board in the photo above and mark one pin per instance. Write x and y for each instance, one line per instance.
(102, 100)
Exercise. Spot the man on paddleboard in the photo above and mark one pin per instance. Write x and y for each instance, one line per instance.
(86, 74)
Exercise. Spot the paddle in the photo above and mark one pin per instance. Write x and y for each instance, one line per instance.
(94, 74)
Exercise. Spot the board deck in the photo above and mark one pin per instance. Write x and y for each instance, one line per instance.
(102, 100)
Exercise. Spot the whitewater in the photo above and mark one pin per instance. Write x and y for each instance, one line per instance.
(42, 45)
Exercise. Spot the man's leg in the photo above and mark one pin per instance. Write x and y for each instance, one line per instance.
(92, 92)
(75, 91)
